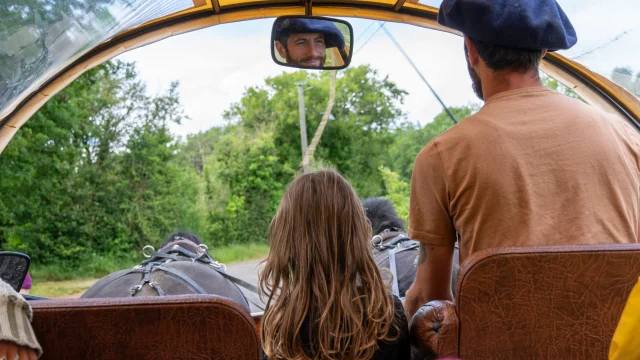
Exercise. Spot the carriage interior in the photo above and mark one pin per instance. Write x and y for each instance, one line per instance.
(546, 302)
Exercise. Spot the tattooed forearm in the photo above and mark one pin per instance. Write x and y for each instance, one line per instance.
(422, 257)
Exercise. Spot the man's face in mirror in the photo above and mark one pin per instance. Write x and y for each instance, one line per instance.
(305, 50)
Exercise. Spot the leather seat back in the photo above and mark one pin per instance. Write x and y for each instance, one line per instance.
(170, 327)
(544, 302)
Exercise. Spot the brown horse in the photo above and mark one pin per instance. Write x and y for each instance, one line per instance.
(181, 266)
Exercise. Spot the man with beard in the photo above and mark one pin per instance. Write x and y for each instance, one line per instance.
(532, 167)
(303, 42)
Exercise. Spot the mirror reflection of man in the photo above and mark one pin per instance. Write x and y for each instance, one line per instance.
(303, 42)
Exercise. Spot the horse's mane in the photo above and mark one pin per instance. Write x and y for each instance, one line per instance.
(382, 215)
(181, 236)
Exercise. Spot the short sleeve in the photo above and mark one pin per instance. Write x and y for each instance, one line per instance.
(430, 221)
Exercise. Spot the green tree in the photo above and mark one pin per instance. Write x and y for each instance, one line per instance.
(397, 192)
(95, 171)
(161, 193)
(247, 165)
(63, 202)
(366, 111)
(623, 76)
(554, 84)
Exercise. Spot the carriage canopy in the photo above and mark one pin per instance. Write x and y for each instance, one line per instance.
(46, 44)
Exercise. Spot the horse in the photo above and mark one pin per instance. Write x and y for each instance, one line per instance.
(392, 248)
(181, 266)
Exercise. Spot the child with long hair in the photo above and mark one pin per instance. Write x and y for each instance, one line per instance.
(326, 298)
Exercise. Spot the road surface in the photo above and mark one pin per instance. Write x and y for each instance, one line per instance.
(248, 271)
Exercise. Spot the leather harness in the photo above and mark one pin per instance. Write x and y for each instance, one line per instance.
(176, 252)
(394, 241)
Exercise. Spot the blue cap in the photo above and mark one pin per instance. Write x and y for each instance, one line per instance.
(332, 35)
(526, 24)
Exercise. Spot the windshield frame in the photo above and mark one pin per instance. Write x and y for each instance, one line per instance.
(593, 85)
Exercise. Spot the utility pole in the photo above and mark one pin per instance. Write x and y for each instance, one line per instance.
(303, 123)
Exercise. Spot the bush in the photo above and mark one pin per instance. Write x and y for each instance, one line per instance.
(397, 192)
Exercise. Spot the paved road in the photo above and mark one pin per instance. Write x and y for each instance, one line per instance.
(248, 271)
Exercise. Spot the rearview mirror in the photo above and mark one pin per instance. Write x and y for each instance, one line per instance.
(13, 268)
(308, 42)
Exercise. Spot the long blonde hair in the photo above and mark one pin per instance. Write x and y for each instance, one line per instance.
(325, 296)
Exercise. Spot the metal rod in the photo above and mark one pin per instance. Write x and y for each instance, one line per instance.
(303, 122)
(455, 121)
(308, 5)
(306, 160)
(369, 38)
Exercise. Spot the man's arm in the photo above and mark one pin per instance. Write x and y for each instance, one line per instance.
(430, 223)
(433, 278)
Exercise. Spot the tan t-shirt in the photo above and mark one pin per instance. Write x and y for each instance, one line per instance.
(532, 167)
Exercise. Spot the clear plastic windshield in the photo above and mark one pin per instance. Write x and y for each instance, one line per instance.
(608, 37)
(39, 37)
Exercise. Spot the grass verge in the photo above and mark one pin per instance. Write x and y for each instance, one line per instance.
(94, 266)
(98, 266)
(239, 253)
(61, 289)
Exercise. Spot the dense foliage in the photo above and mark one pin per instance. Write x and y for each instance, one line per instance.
(94, 171)
(97, 172)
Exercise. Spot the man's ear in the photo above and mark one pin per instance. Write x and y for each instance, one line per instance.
(472, 52)
(544, 52)
(281, 49)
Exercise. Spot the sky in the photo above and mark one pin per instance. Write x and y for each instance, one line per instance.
(216, 65)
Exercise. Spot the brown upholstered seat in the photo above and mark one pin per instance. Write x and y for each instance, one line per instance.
(257, 320)
(531, 303)
(171, 327)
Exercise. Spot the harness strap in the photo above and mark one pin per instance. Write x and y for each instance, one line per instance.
(389, 239)
(387, 234)
(156, 286)
(132, 271)
(394, 271)
(259, 306)
(182, 276)
(413, 244)
(243, 284)
(146, 279)
(239, 282)
(155, 256)
(172, 253)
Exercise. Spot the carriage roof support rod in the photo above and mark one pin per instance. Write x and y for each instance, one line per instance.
(455, 121)
(307, 7)
(303, 125)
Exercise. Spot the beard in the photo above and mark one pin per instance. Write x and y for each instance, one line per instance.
(301, 61)
(476, 82)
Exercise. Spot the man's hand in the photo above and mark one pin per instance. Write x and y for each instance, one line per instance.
(11, 351)
(433, 278)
